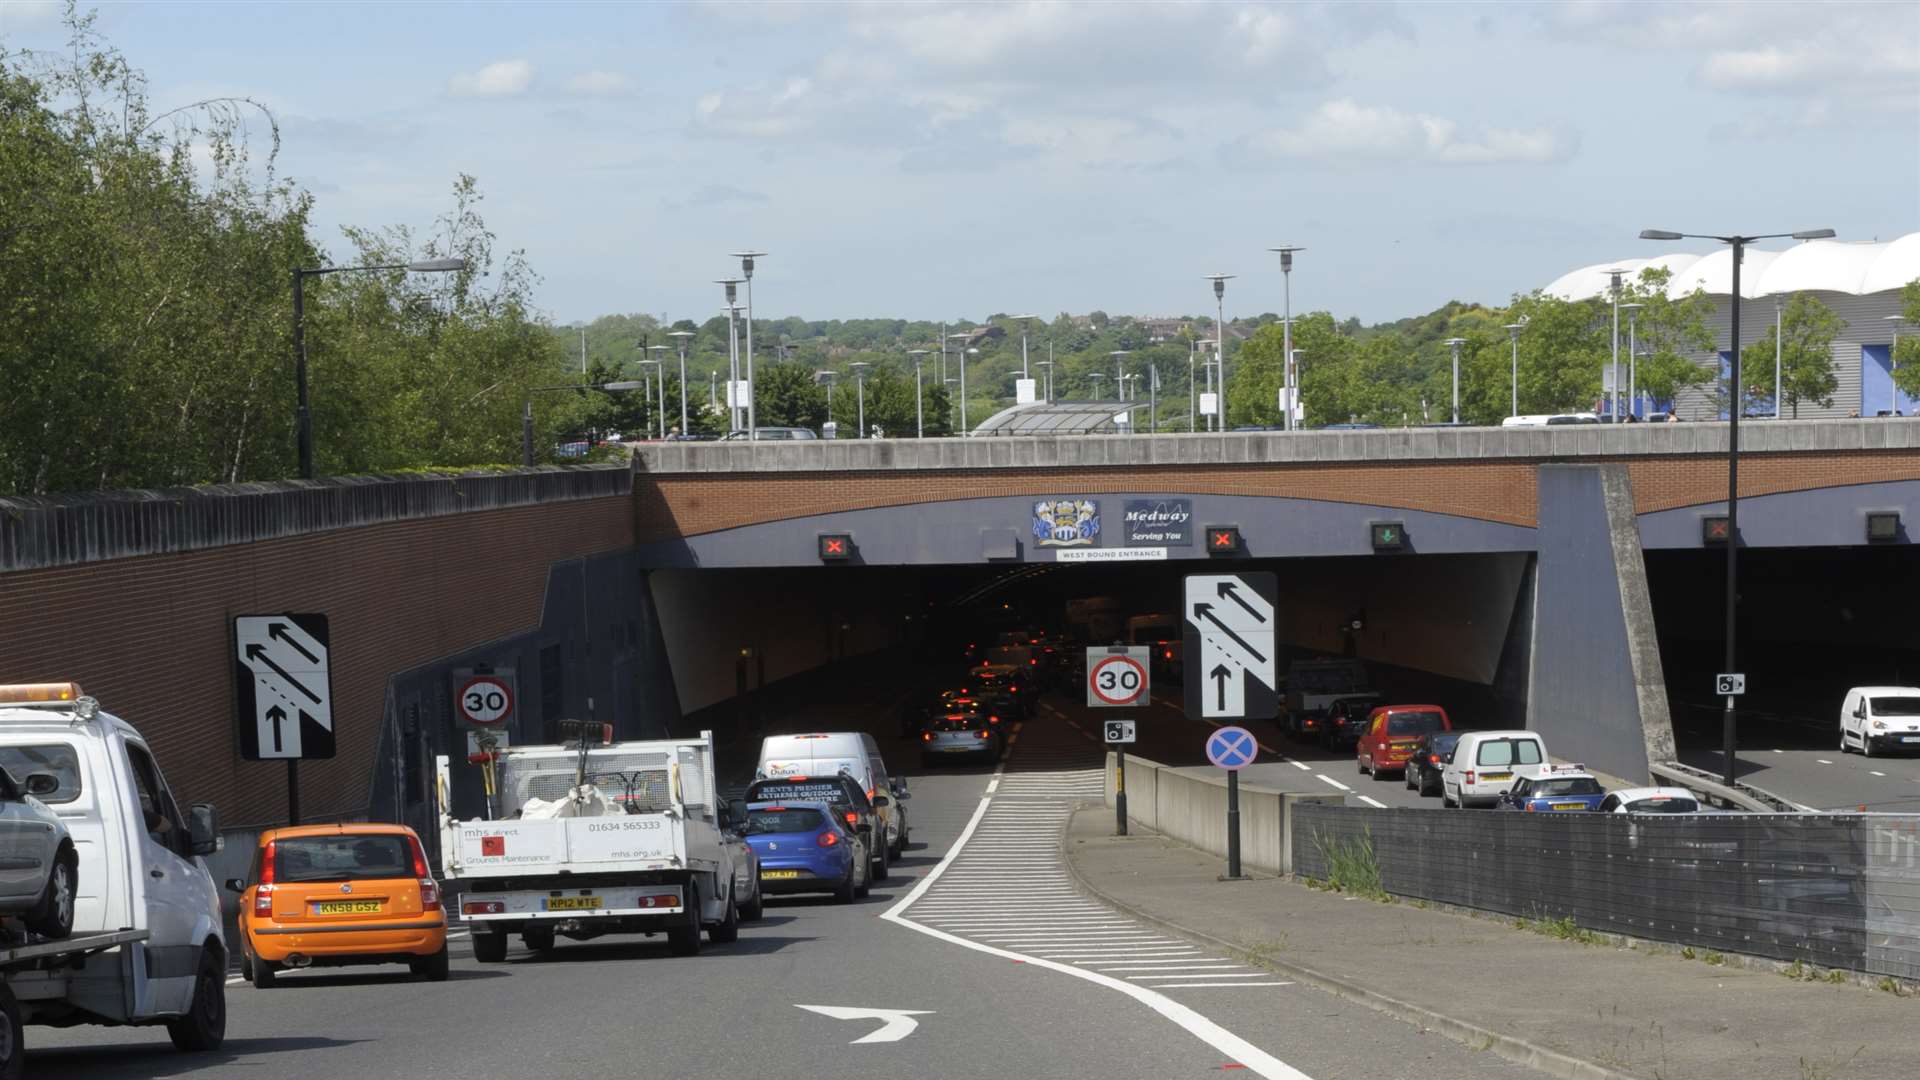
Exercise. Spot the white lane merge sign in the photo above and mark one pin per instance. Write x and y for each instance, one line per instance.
(283, 684)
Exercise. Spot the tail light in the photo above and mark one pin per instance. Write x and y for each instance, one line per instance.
(829, 838)
(993, 719)
(926, 736)
(1168, 654)
(852, 817)
(429, 889)
(983, 734)
(1033, 661)
(483, 907)
(1529, 808)
(263, 892)
(1433, 759)
(1468, 776)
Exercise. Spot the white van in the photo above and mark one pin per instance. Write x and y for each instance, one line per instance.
(825, 753)
(1485, 764)
(1880, 718)
(141, 883)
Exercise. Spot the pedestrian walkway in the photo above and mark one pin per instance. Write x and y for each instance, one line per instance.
(1563, 1006)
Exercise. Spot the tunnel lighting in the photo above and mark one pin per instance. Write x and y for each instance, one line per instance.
(835, 547)
(1883, 526)
(1715, 529)
(1224, 540)
(1387, 535)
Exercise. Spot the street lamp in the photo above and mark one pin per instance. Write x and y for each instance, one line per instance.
(1633, 366)
(1613, 372)
(662, 361)
(1047, 380)
(1120, 371)
(526, 415)
(963, 335)
(1096, 377)
(1025, 321)
(1455, 343)
(1220, 324)
(648, 369)
(732, 286)
(1729, 733)
(1893, 362)
(303, 413)
(1192, 387)
(746, 269)
(860, 385)
(919, 411)
(824, 376)
(680, 337)
(1153, 397)
(1513, 334)
(1291, 381)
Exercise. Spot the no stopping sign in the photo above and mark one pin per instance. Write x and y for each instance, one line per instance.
(485, 701)
(1117, 678)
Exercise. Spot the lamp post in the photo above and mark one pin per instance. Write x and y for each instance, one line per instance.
(1046, 384)
(1455, 343)
(1207, 370)
(1220, 349)
(827, 377)
(303, 413)
(1025, 321)
(680, 338)
(1153, 398)
(1610, 387)
(648, 369)
(1729, 730)
(860, 386)
(963, 335)
(1096, 376)
(746, 269)
(1120, 371)
(1291, 381)
(732, 286)
(1893, 362)
(661, 370)
(1633, 366)
(1513, 335)
(919, 412)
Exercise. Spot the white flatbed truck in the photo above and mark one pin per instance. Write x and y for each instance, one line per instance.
(615, 838)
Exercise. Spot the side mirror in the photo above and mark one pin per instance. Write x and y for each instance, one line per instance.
(41, 784)
(881, 802)
(237, 884)
(203, 829)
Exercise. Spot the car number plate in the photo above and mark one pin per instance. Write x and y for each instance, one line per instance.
(347, 907)
(1910, 738)
(1569, 806)
(1496, 776)
(572, 903)
(779, 875)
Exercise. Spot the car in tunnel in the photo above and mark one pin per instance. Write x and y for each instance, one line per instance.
(1880, 718)
(1345, 720)
(961, 735)
(840, 793)
(1429, 758)
(804, 847)
(1392, 734)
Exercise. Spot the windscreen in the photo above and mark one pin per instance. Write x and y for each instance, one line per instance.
(58, 759)
(784, 820)
(1664, 806)
(1567, 785)
(1414, 723)
(1882, 706)
(1500, 752)
(341, 858)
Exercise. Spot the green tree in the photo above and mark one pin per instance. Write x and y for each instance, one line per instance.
(788, 396)
(1807, 331)
(1669, 333)
(1907, 375)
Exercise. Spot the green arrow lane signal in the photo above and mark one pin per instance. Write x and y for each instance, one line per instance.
(1387, 535)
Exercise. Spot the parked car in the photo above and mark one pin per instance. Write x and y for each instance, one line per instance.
(1555, 788)
(1429, 758)
(39, 866)
(1650, 800)
(1392, 733)
(1346, 718)
(1880, 718)
(336, 895)
(1485, 764)
(805, 847)
(961, 735)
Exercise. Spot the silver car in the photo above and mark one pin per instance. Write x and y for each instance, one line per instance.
(957, 735)
(39, 868)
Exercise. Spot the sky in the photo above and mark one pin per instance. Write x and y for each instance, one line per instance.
(952, 160)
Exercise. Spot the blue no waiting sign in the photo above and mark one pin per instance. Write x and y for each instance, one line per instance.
(1232, 748)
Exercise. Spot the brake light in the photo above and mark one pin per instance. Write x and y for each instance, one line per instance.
(1468, 775)
(852, 817)
(1168, 654)
(1529, 808)
(660, 900)
(1033, 661)
(982, 734)
(829, 838)
(483, 907)
(429, 889)
(266, 863)
(263, 900)
(927, 736)
(1433, 759)
(993, 719)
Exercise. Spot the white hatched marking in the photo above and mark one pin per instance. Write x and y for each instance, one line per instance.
(1226, 986)
(1332, 781)
(1373, 802)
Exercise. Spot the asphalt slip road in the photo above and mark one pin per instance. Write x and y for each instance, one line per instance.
(1009, 971)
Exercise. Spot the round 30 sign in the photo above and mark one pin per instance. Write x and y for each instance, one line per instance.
(1117, 680)
(485, 701)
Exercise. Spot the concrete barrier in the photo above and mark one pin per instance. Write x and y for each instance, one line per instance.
(1193, 810)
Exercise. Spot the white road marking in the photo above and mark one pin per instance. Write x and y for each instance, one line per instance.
(1196, 985)
(1876, 772)
(1332, 781)
(1157, 966)
(1373, 802)
(1301, 765)
(1779, 751)
(1823, 761)
(1223, 975)
(899, 1024)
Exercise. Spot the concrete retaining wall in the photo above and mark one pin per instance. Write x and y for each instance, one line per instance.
(1193, 810)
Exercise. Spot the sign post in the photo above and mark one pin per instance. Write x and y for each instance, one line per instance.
(284, 689)
(1119, 733)
(1119, 676)
(1232, 749)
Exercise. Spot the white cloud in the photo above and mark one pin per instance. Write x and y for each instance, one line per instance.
(599, 83)
(504, 78)
(1345, 130)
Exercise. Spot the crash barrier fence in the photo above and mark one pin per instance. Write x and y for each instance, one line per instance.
(1835, 890)
(1191, 806)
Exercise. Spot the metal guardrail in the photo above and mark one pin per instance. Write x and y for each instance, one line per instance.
(1741, 796)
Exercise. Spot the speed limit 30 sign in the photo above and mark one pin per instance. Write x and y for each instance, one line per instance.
(1118, 675)
(485, 701)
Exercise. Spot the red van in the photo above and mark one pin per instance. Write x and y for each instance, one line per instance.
(1391, 734)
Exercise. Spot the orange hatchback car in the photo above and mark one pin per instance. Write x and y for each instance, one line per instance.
(335, 895)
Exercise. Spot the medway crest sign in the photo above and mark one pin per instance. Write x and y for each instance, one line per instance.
(1066, 522)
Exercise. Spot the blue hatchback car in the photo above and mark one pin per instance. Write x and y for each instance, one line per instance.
(1555, 789)
(804, 847)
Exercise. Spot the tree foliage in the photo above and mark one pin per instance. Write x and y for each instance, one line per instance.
(1907, 355)
(1806, 334)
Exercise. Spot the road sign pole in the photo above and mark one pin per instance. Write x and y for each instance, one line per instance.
(293, 791)
(1233, 824)
(1120, 790)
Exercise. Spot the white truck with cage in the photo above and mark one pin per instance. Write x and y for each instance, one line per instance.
(595, 837)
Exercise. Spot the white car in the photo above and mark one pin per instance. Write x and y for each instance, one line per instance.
(1650, 800)
(39, 868)
(1880, 717)
(1485, 764)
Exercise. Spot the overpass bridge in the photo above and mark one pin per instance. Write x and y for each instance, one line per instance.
(1553, 577)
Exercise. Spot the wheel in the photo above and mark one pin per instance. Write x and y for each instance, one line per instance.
(263, 974)
(1446, 799)
(205, 1025)
(882, 864)
(727, 931)
(53, 915)
(431, 968)
(1360, 764)
(489, 948)
(756, 906)
(849, 889)
(1377, 775)
(538, 938)
(900, 842)
(1407, 775)
(684, 940)
(1866, 743)
(13, 1041)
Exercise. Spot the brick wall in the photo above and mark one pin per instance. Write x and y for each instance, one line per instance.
(149, 636)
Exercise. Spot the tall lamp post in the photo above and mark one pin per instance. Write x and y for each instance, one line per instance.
(860, 386)
(1893, 363)
(827, 377)
(1455, 343)
(919, 410)
(649, 369)
(1120, 371)
(1153, 398)
(1096, 376)
(303, 413)
(1291, 380)
(746, 270)
(1025, 321)
(1220, 349)
(732, 286)
(1046, 392)
(1730, 742)
(962, 335)
(680, 338)
(1610, 387)
(662, 371)
(1633, 365)
(1513, 336)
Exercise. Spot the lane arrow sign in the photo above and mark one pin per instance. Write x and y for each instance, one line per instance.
(278, 631)
(899, 1023)
(256, 651)
(277, 716)
(1219, 675)
(1230, 591)
(1205, 611)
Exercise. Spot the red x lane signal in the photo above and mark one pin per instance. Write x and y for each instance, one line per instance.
(836, 547)
(1223, 540)
(1715, 530)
